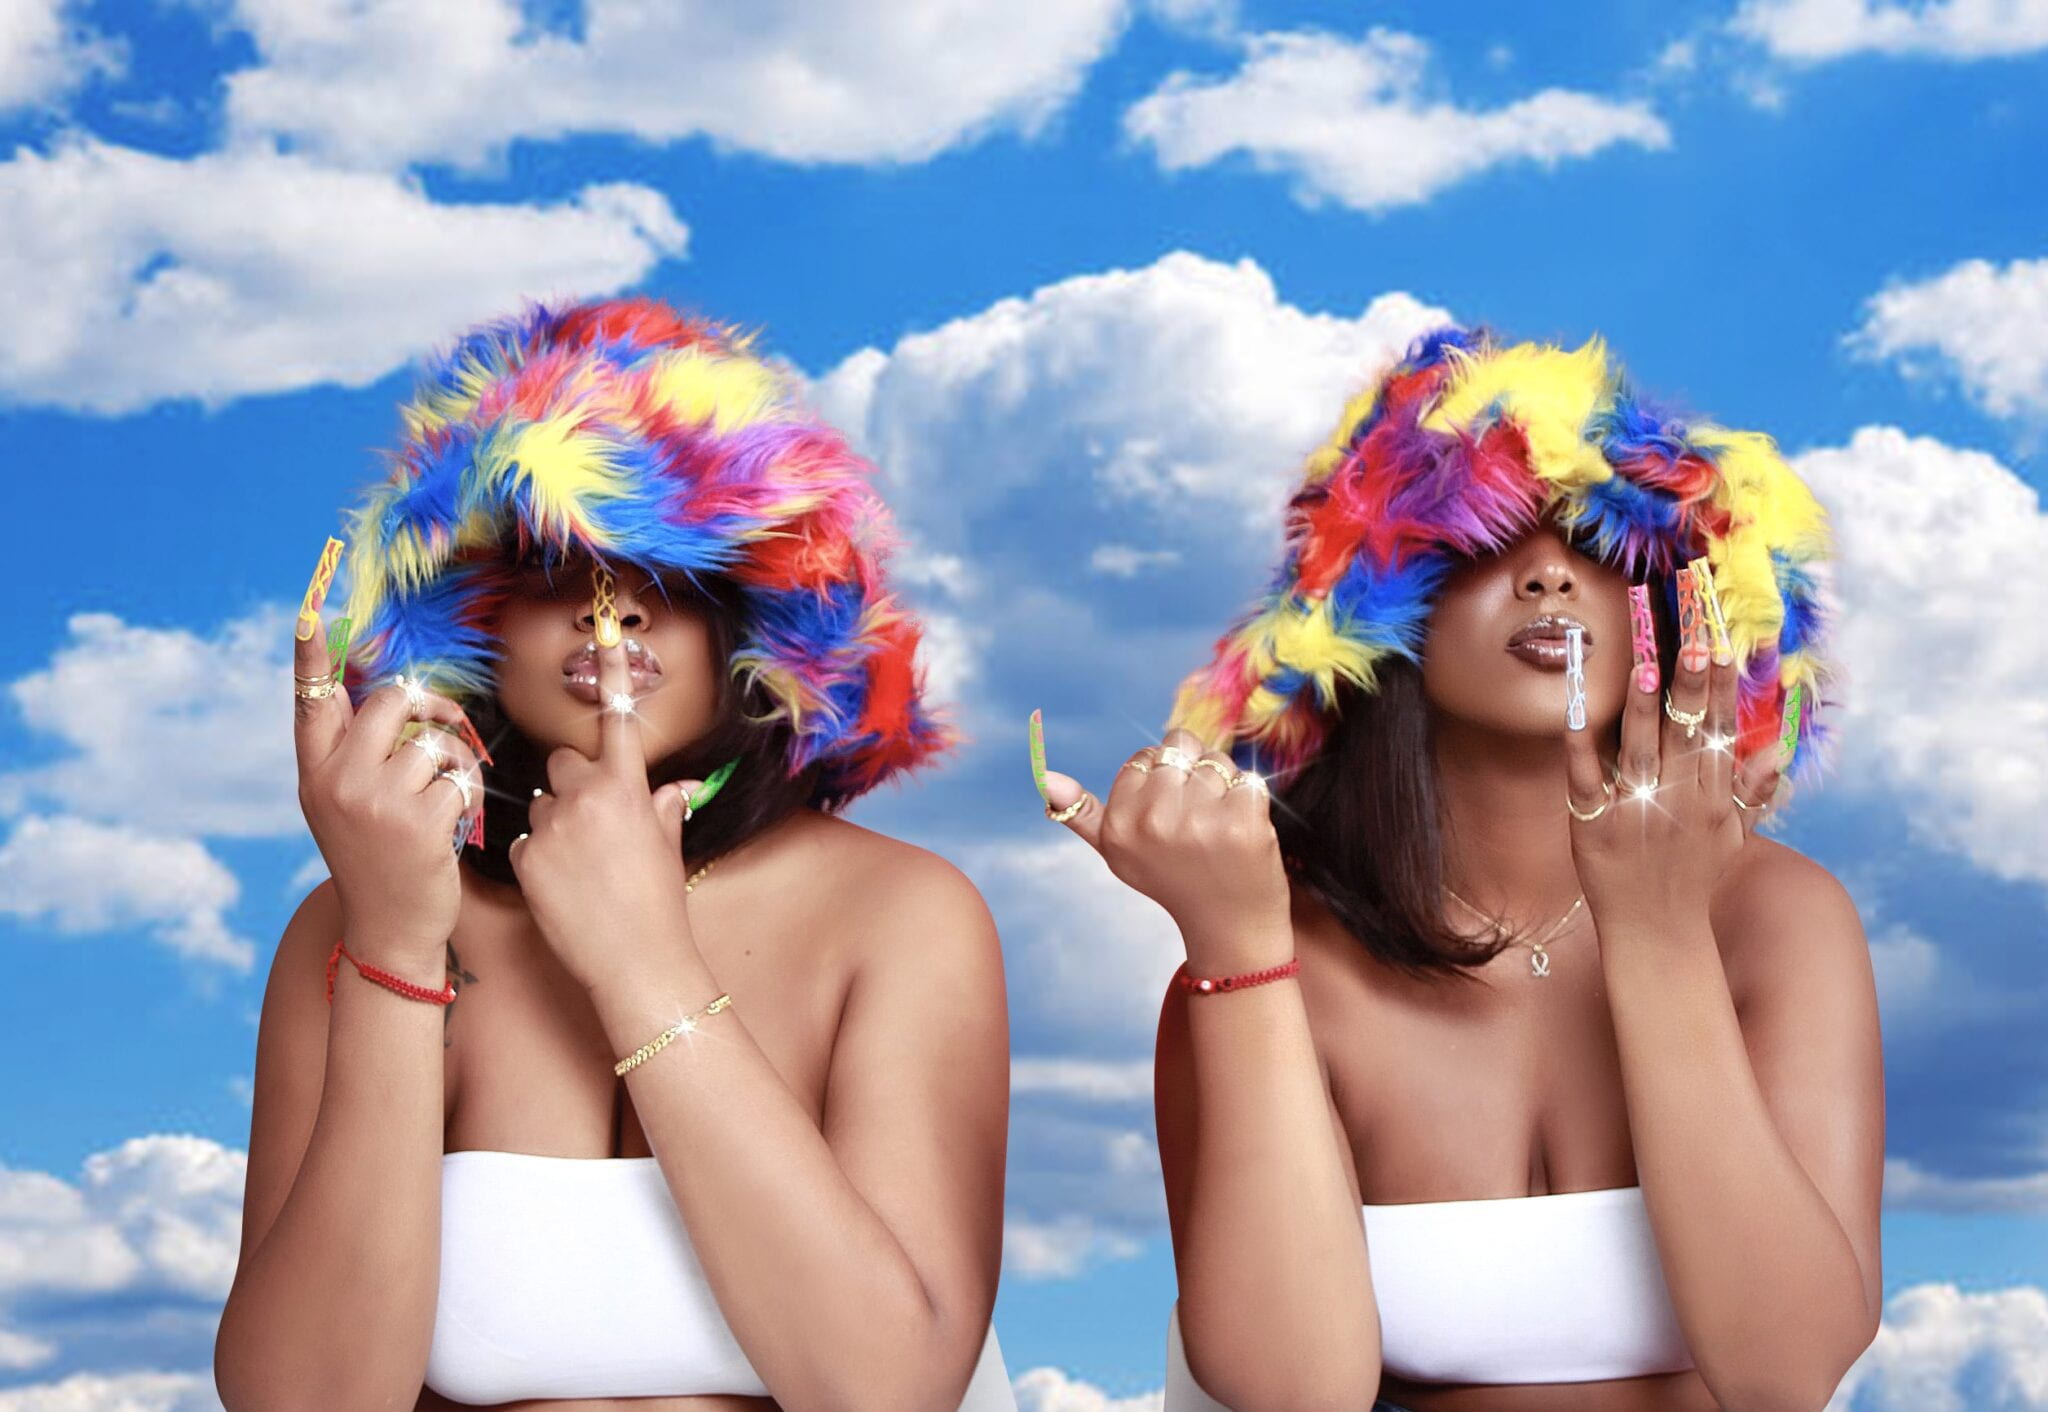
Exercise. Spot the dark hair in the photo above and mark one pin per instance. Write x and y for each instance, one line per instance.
(759, 792)
(1360, 824)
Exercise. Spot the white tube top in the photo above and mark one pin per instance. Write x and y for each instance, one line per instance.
(575, 1277)
(1560, 1288)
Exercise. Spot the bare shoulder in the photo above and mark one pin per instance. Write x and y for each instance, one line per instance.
(1780, 915)
(895, 900)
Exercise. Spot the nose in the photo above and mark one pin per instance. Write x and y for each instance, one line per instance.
(625, 601)
(1546, 572)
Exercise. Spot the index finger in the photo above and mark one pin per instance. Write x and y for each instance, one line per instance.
(318, 721)
(619, 745)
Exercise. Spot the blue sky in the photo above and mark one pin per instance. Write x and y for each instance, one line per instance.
(1084, 278)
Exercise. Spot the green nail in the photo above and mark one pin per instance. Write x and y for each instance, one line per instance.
(1788, 739)
(337, 646)
(708, 791)
(1038, 755)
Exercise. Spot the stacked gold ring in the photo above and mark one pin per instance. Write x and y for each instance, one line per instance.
(313, 688)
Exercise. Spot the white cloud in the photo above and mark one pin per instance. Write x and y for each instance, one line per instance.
(391, 83)
(1942, 602)
(134, 290)
(1943, 1350)
(72, 877)
(1978, 322)
(156, 1220)
(1063, 1247)
(1907, 1187)
(1050, 1390)
(1359, 122)
(1188, 379)
(1091, 1080)
(1126, 561)
(122, 1392)
(1814, 31)
(45, 52)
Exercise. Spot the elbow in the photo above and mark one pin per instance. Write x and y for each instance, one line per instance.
(1805, 1380)
(1290, 1385)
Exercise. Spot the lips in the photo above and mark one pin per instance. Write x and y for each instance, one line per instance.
(579, 670)
(1540, 641)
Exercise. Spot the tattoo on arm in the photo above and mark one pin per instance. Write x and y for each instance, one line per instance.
(457, 978)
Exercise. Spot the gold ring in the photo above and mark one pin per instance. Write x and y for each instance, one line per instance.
(1745, 808)
(1689, 719)
(459, 777)
(1142, 767)
(1060, 816)
(313, 689)
(1223, 771)
(1176, 757)
(1586, 818)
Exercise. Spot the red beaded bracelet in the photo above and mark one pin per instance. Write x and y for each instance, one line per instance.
(1209, 985)
(444, 996)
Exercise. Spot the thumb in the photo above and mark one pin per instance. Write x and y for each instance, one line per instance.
(668, 804)
(1061, 791)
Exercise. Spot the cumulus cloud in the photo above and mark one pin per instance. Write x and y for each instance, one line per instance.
(1909, 1187)
(138, 292)
(1360, 122)
(1979, 323)
(391, 83)
(122, 1392)
(1050, 1390)
(152, 1229)
(1814, 31)
(1940, 628)
(1943, 1350)
(46, 52)
(74, 877)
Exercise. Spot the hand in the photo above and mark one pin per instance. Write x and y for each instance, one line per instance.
(1205, 852)
(383, 811)
(1656, 852)
(602, 868)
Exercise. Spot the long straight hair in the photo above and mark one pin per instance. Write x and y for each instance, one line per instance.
(1361, 824)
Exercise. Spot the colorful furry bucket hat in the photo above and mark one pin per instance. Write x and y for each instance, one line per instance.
(636, 434)
(1453, 454)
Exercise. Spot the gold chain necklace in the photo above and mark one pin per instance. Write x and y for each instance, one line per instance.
(690, 883)
(1539, 959)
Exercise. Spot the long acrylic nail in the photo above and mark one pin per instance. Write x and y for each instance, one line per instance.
(1692, 625)
(316, 589)
(714, 782)
(1644, 628)
(1710, 599)
(338, 633)
(1038, 755)
(1788, 735)
(1575, 677)
(604, 608)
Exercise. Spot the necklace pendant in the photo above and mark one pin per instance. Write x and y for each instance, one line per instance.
(1539, 963)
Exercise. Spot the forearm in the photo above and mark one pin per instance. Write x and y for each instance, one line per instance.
(1276, 1300)
(336, 1307)
(829, 1307)
(1764, 1280)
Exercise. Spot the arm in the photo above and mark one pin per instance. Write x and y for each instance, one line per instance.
(855, 1263)
(333, 1299)
(1276, 1299)
(1759, 1128)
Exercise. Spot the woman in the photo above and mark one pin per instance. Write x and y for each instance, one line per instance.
(1502, 966)
(617, 570)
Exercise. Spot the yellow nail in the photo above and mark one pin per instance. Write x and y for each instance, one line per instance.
(316, 589)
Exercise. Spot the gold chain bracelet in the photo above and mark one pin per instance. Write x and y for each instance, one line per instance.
(686, 1025)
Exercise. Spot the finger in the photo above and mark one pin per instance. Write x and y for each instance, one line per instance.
(1717, 760)
(1755, 786)
(672, 806)
(1585, 776)
(1062, 791)
(1213, 773)
(619, 745)
(380, 724)
(318, 723)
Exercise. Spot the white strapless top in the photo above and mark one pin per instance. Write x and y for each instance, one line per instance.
(1560, 1288)
(575, 1277)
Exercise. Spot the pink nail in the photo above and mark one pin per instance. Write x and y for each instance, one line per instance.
(1645, 629)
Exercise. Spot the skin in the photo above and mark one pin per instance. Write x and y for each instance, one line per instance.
(1708, 1032)
(852, 1246)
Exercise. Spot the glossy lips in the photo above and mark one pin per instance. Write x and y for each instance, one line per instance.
(1541, 641)
(579, 671)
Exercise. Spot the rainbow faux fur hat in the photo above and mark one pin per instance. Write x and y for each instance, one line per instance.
(1453, 454)
(637, 434)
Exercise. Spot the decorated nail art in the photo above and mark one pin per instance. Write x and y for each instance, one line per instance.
(1692, 625)
(337, 647)
(714, 782)
(1644, 628)
(604, 608)
(1788, 736)
(316, 590)
(1038, 755)
(1575, 677)
(1710, 599)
